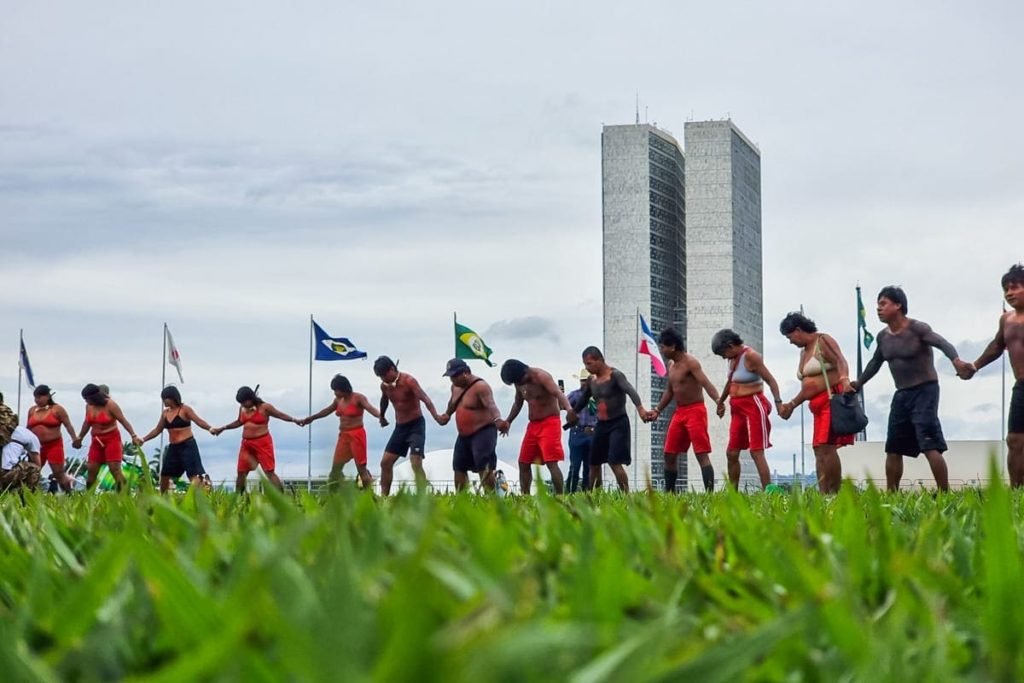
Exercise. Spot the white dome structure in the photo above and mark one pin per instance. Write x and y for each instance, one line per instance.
(437, 465)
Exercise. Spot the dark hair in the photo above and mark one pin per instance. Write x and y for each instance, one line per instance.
(723, 339)
(247, 394)
(93, 396)
(382, 365)
(796, 321)
(894, 294)
(593, 352)
(1014, 276)
(671, 337)
(41, 390)
(341, 383)
(514, 371)
(172, 394)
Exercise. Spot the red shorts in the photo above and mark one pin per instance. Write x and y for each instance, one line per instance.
(542, 441)
(689, 425)
(351, 446)
(106, 448)
(52, 452)
(259, 450)
(749, 427)
(822, 412)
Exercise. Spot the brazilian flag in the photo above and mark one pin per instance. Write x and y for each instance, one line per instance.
(469, 345)
(862, 322)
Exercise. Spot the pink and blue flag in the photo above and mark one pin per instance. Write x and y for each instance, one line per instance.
(650, 347)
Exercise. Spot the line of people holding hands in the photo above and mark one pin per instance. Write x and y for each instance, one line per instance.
(596, 413)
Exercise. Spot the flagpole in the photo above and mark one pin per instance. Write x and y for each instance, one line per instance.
(636, 383)
(803, 438)
(163, 383)
(863, 435)
(1002, 427)
(309, 427)
(455, 323)
(21, 344)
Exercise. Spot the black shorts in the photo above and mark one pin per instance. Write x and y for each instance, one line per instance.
(408, 437)
(611, 442)
(182, 457)
(1015, 424)
(476, 452)
(914, 421)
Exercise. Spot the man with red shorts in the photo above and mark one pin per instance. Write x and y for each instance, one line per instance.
(543, 440)
(689, 423)
(749, 429)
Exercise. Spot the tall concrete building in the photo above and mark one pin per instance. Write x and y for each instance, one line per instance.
(723, 242)
(682, 247)
(642, 179)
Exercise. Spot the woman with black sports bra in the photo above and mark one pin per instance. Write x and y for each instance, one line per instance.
(182, 455)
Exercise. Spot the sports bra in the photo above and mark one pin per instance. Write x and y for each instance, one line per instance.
(50, 419)
(740, 373)
(256, 417)
(353, 409)
(99, 417)
(177, 423)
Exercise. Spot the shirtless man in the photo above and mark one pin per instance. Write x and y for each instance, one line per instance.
(1010, 338)
(543, 439)
(401, 390)
(476, 419)
(689, 422)
(609, 387)
(906, 344)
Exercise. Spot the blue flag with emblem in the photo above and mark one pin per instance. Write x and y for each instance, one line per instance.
(334, 348)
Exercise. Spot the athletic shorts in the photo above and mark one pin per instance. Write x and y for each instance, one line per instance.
(821, 411)
(914, 421)
(182, 458)
(260, 450)
(689, 425)
(106, 447)
(351, 446)
(542, 441)
(408, 437)
(611, 442)
(1015, 425)
(476, 452)
(52, 452)
(749, 426)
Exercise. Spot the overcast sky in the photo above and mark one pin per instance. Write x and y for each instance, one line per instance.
(230, 168)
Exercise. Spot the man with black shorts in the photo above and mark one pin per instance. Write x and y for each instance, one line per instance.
(401, 390)
(609, 387)
(476, 419)
(1010, 338)
(906, 344)
(542, 442)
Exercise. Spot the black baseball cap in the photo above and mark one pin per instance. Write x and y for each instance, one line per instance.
(456, 366)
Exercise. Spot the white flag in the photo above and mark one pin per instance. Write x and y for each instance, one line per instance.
(173, 357)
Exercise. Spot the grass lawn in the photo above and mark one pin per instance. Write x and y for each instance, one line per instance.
(724, 587)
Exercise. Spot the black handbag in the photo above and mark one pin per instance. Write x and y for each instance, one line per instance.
(847, 414)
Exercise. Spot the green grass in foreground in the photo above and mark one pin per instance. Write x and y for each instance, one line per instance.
(861, 586)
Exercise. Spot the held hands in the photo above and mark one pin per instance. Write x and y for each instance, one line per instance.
(136, 441)
(503, 426)
(785, 410)
(76, 443)
(215, 431)
(964, 370)
(443, 419)
(384, 421)
(648, 415)
(720, 408)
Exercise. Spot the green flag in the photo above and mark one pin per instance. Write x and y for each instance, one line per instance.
(863, 323)
(469, 345)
